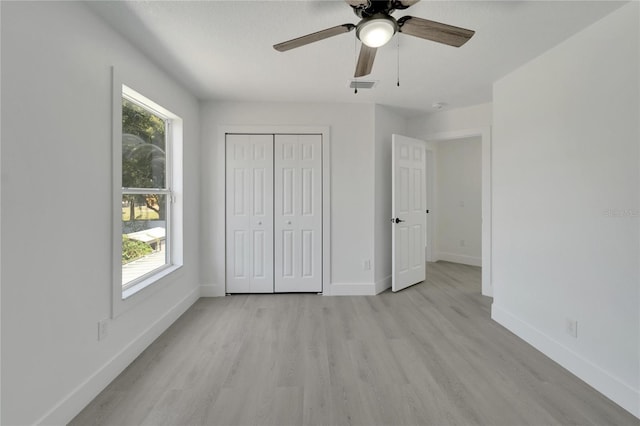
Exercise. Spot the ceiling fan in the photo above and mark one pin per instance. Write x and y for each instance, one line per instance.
(377, 27)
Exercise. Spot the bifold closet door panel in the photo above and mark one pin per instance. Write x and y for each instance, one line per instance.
(298, 213)
(249, 215)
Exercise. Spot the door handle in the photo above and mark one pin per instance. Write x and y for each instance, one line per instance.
(396, 220)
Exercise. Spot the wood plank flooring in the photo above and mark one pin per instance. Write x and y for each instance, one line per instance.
(429, 355)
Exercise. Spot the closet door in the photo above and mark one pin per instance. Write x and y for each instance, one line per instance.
(249, 205)
(298, 213)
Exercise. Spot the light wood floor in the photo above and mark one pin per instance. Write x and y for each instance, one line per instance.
(429, 355)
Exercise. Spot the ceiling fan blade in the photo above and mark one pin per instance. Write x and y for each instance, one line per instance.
(403, 4)
(358, 3)
(310, 38)
(434, 31)
(365, 60)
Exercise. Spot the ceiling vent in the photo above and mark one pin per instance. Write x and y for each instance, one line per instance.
(362, 84)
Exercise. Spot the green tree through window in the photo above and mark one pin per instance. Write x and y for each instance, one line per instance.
(143, 157)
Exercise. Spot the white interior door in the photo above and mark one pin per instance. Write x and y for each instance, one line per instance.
(298, 213)
(249, 205)
(408, 212)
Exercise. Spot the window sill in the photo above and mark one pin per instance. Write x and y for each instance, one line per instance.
(149, 281)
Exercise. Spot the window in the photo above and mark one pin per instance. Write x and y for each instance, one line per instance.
(146, 207)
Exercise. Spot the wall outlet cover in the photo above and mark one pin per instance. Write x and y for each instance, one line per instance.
(571, 327)
(103, 329)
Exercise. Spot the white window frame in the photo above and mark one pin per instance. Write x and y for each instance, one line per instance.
(148, 284)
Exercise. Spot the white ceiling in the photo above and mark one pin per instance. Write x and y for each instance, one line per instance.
(223, 50)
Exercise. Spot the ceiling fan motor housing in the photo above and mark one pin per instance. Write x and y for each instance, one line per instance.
(367, 8)
(376, 30)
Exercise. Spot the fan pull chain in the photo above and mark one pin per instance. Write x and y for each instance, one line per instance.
(355, 61)
(398, 45)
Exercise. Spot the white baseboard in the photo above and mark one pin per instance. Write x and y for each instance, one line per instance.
(351, 289)
(212, 290)
(383, 284)
(601, 380)
(336, 289)
(459, 258)
(69, 406)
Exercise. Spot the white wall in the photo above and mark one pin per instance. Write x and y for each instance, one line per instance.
(459, 201)
(454, 120)
(387, 122)
(565, 204)
(56, 210)
(352, 183)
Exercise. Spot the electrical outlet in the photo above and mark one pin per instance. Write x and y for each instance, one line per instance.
(366, 265)
(103, 329)
(571, 327)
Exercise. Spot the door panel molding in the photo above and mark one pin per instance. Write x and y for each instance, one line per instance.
(297, 220)
(324, 131)
(408, 212)
(249, 214)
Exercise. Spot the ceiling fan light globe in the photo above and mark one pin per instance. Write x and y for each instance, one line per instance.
(376, 32)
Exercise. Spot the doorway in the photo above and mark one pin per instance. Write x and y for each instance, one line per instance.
(484, 134)
(459, 201)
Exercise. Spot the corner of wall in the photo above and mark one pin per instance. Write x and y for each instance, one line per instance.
(383, 284)
(212, 290)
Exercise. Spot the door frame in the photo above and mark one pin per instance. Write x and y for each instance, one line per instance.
(485, 134)
(223, 130)
(430, 200)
